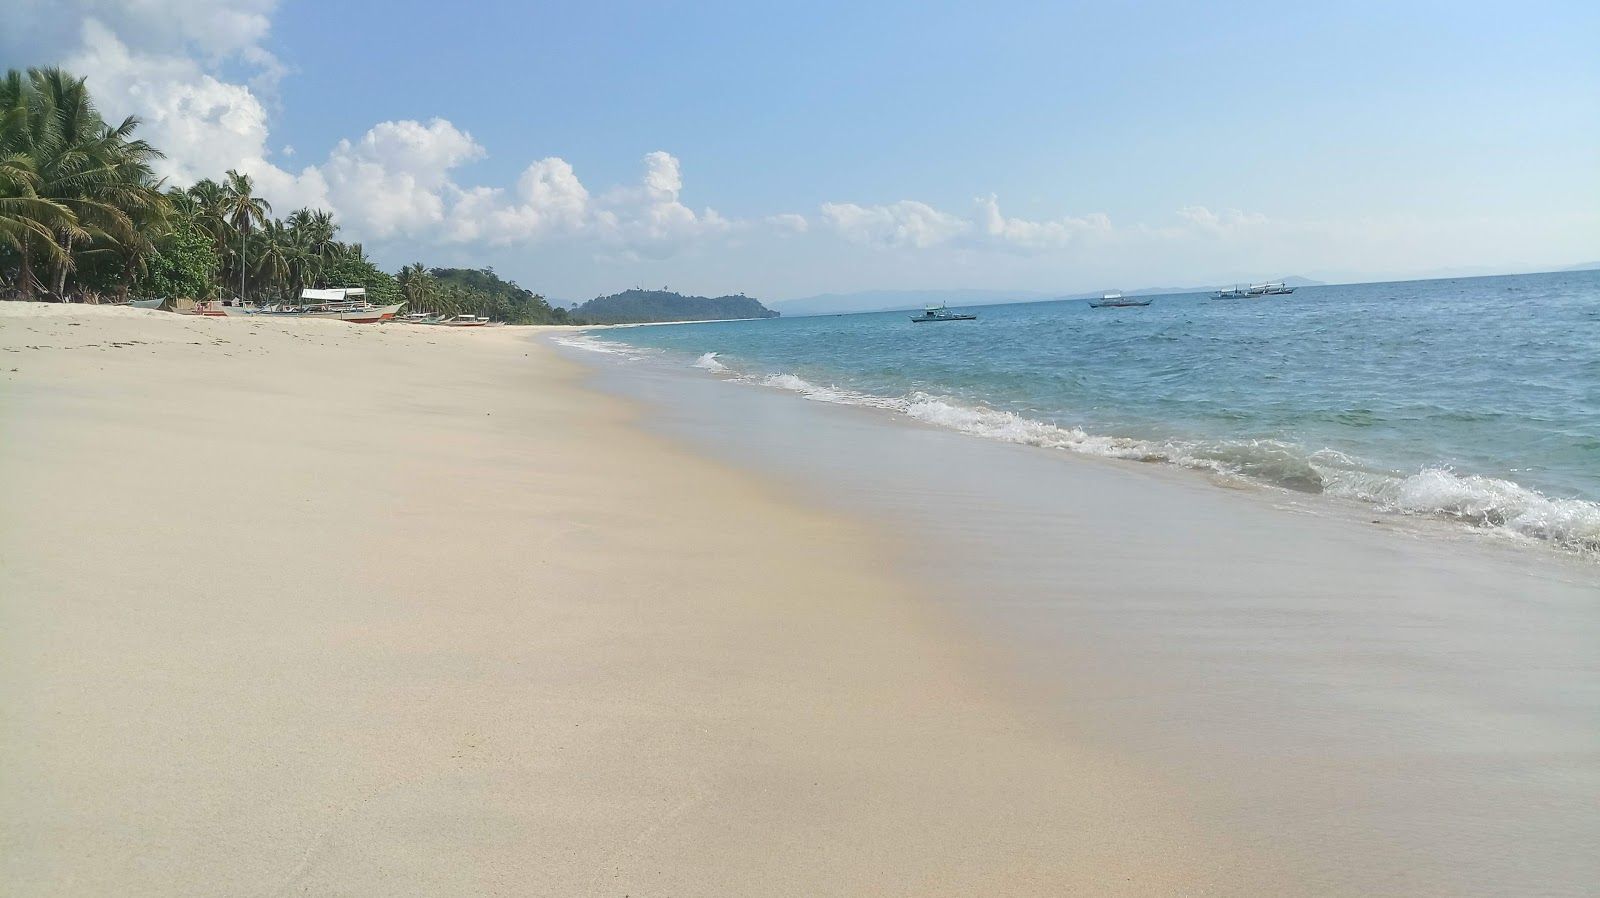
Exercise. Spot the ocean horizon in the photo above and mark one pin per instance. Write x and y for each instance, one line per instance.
(1469, 400)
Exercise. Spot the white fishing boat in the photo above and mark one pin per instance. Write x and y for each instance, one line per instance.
(338, 304)
(1276, 288)
(1116, 300)
(464, 321)
(940, 313)
(147, 303)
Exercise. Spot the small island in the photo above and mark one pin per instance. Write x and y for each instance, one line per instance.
(639, 306)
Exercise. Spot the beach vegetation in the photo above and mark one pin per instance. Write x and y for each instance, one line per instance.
(84, 218)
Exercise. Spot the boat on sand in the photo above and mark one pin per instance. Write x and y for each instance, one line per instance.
(338, 303)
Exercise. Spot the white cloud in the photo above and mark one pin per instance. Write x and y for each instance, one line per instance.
(1051, 234)
(395, 178)
(914, 225)
(789, 223)
(904, 224)
(549, 200)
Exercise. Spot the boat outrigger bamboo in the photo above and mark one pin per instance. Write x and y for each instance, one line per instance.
(940, 313)
(1277, 288)
(339, 303)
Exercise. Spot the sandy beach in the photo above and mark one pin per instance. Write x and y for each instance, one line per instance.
(311, 608)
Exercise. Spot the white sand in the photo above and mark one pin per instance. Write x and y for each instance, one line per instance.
(313, 608)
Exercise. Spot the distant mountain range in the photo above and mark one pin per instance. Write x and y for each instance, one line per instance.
(644, 306)
(896, 300)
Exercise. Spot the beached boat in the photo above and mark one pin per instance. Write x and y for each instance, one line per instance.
(339, 304)
(420, 318)
(940, 313)
(211, 308)
(1117, 301)
(464, 321)
(147, 303)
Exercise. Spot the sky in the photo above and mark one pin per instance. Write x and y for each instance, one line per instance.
(784, 150)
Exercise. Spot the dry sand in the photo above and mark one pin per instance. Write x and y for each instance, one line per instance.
(313, 608)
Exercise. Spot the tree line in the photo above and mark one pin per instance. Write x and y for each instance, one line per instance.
(84, 218)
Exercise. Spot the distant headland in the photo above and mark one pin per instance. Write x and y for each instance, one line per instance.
(640, 306)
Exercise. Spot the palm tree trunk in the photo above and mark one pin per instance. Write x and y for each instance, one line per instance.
(26, 282)
(129, 269)
(58, 272)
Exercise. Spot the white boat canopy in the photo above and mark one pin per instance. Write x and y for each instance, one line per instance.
(335, 294)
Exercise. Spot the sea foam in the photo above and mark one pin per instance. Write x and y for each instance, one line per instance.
(1501, 506)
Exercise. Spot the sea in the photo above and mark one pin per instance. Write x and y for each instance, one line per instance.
(1474, 401)
(1325, 564)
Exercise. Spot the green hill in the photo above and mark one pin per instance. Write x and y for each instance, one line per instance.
(642, 306)
(482, 292)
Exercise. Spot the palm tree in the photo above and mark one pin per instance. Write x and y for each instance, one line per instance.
(419, 287)
(67, 179)
(242, 209)
(149, 222)
(272, 255)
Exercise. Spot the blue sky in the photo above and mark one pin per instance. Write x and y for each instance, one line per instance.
(783, 150)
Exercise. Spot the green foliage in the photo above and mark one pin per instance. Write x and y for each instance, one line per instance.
(482, 292)
(81, 213)
(183, 266)
(639, 306)
(352, 269)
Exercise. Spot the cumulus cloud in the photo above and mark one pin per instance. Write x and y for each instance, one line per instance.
(1026, 234)
(788, 223)
(904, 224)
(549, 200)
(909, 224)
(394, 180)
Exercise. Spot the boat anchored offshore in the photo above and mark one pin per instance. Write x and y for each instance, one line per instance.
(940, 313)
(1277, 288)
(1116, 300)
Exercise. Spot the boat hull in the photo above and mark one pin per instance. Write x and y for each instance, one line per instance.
(1117, 305)
(354, 316)
(919, 320)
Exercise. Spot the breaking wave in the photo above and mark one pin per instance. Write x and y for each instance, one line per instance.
(1485, 502)
(590, 344)
(709, 362)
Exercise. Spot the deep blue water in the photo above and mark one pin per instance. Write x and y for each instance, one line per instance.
(1476, 399)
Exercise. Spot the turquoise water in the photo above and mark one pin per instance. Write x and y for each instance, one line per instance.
(1476, 399)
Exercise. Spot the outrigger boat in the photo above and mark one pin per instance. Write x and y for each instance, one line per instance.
(339, 304)
(940, 313)
(1117, 301)
(1274, 289)
(147, 303)
(464, 321)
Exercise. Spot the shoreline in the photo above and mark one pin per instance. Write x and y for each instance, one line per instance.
(1490, 509)
(1389, 706)
(310, 606)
